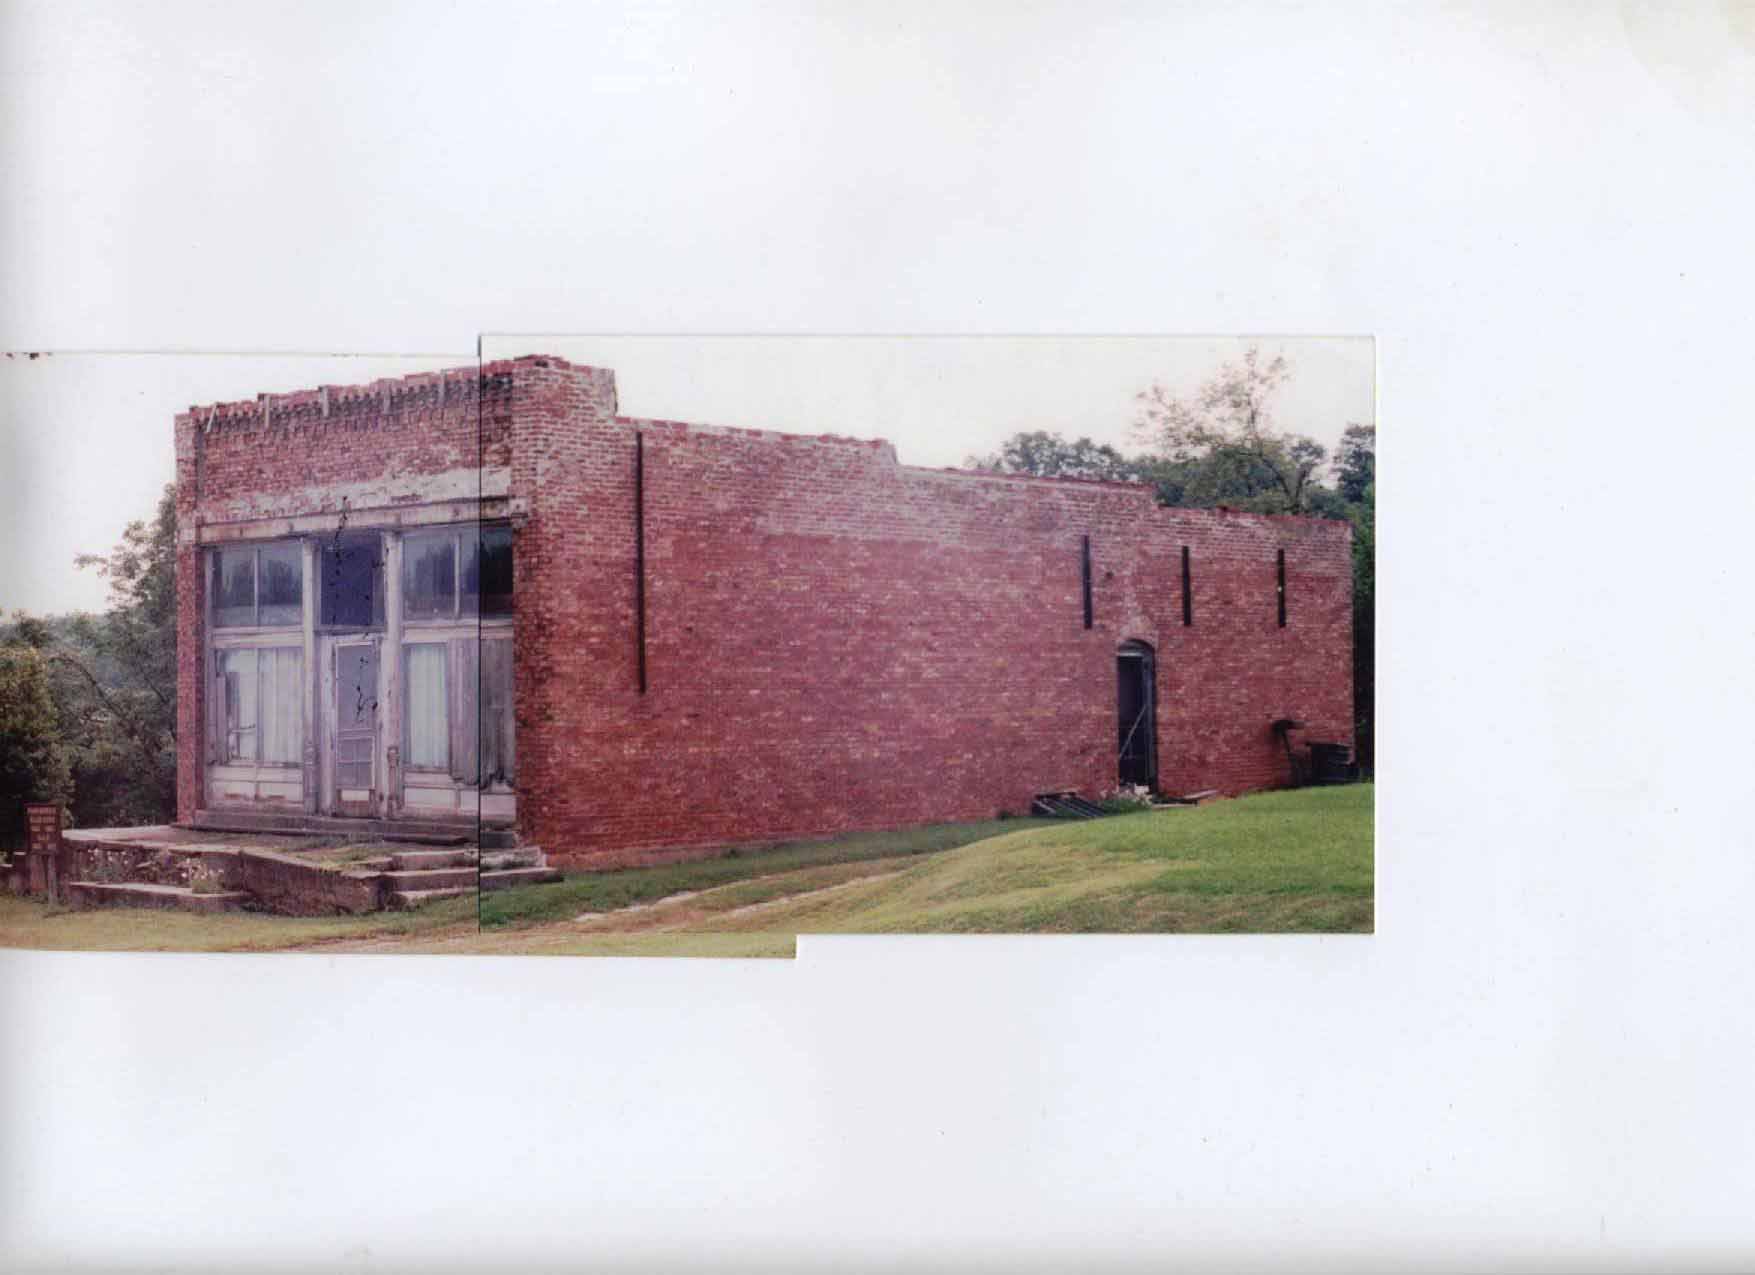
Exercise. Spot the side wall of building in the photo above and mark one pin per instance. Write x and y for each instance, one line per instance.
(834, 641)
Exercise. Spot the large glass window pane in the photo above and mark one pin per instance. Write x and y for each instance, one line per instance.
(429, 575)
(469, 570)
(425, 726)
(282, 590)
(487, 572)
(234, 587)
(351, 584)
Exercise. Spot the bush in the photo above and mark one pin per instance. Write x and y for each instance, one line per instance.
(1127, 799)
(206, 879)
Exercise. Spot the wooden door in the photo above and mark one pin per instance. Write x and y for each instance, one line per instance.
(354, 761)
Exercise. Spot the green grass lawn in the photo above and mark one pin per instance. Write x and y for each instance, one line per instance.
(33, 923)
(1273, 863)
(1284, 862)
(606, 891)
(1277, 862)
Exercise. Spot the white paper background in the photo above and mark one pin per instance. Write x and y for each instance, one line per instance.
(1539, 1062)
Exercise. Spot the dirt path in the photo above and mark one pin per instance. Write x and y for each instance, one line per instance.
(689, 912)
(669, 914)
(769, 905)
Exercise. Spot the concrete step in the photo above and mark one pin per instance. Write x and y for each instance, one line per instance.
(414, 860)
(443, 832)
(139, 895)
(523, 857)
(506, 878)
(421, 879)
(403, 900)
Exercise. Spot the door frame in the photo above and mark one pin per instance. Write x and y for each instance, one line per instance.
(330, 662)
(1145, 659)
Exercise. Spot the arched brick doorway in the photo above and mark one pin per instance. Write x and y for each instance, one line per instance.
(1136, 687)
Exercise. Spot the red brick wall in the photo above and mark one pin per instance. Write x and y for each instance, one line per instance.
(834, 641)
(311, 449)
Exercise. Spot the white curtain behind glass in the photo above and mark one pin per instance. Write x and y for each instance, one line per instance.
(427, 735)
(240, 708)
(282, 722)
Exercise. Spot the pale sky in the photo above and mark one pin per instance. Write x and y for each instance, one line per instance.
(87, 443)
(1541, 210)
(86, 439)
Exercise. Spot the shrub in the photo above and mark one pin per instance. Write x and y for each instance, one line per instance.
(205, 878)
(1127, 799)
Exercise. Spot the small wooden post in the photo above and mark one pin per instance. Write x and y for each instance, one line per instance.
(43, 846)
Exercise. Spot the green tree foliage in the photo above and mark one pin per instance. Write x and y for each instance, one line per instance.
(1221, 445)
(33, 760)
(1049, 455)
(1364, 519)
(113, 679)
(1356, 462)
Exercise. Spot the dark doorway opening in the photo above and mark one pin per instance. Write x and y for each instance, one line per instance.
(1136, 695)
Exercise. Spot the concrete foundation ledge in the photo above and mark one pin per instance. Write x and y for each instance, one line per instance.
(292, 886)
(86, 894)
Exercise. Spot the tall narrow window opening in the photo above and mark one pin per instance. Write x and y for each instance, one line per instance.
(1085, 575)
(1187, 596)
(640, 561)
(1281, 566)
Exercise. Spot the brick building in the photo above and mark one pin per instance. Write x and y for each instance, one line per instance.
(485, 594)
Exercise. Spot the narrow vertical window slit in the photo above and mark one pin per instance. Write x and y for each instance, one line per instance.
(1187, 597)
(1281, 564)
(640, 558)
(1085, 575)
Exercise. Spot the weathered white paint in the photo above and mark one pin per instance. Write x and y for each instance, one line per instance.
(308, 640)
(310, 785)
(390, 679)
(466, 484)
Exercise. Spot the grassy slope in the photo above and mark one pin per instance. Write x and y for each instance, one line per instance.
(1292, 861)
(604, 891)
(1278, 862)
(32, 923)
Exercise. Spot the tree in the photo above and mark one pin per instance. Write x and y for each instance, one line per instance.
(33, 761)
(112, 679)
(125, 760)
(1356, 462)
(1049, 455)
(1364, 519)
(1220, 445)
